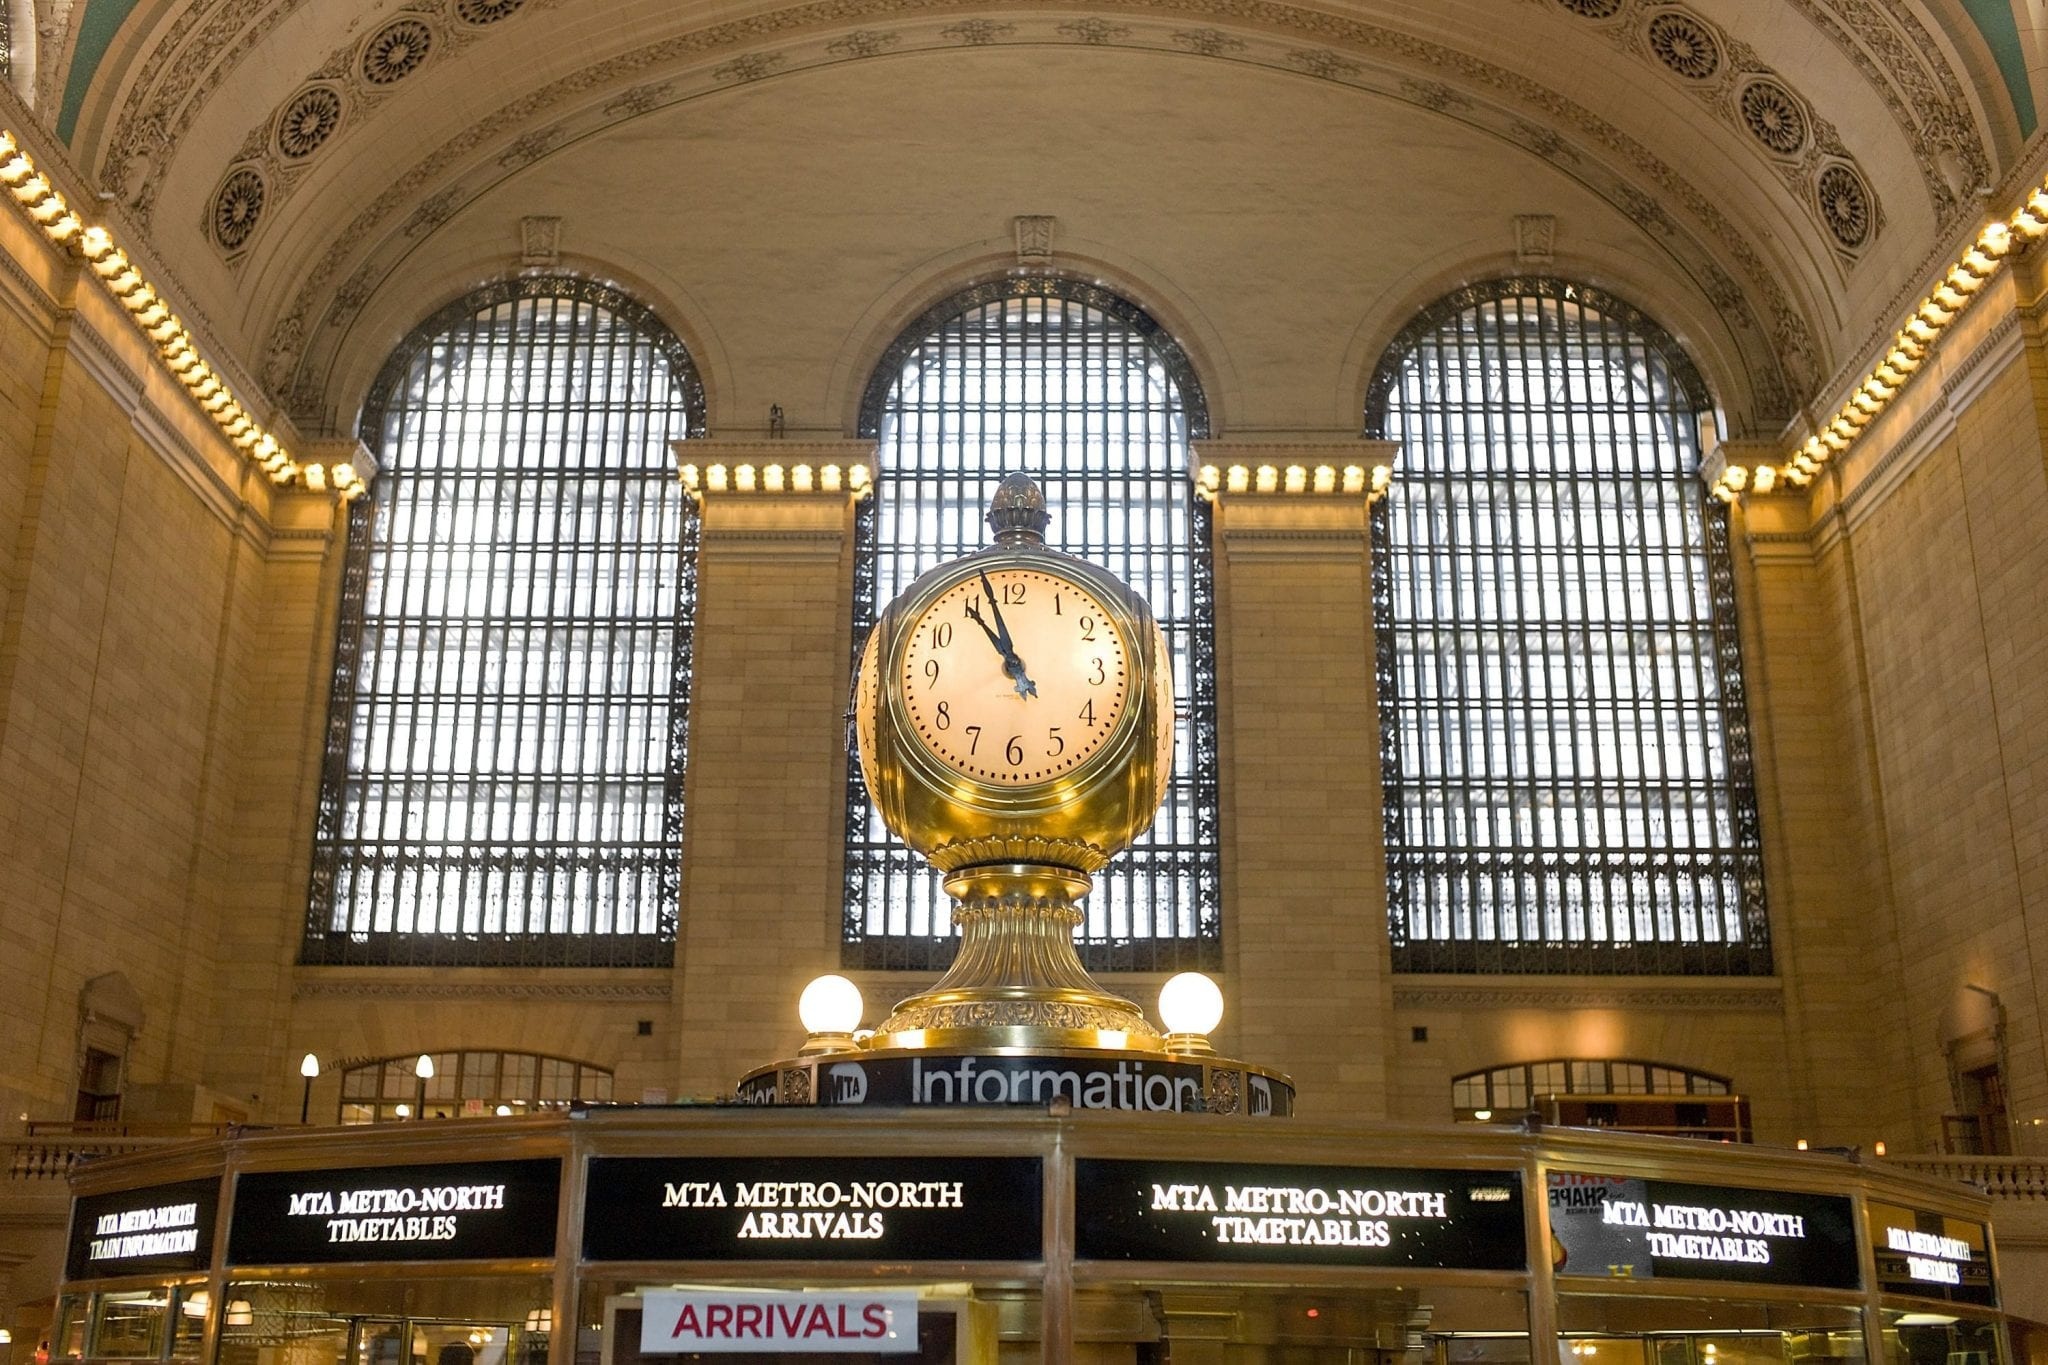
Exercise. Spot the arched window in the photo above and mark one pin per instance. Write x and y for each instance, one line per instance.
(467, 1085)
(1601, 1092)
(1564, 742)
(1082, 390)
(505, 741)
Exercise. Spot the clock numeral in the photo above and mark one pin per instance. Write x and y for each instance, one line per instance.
(1056, 604)
(1013, 594)
(1059, 746)
(1014, 750)
(944, 717)
(931, 672)
(1101, 675)
(1088, 628)
(974, 743)
(971, 608)
(942, 635)
(1088, 711)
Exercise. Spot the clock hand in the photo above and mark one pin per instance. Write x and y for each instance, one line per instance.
(1013, 667)
(993, 638)
(1002, 630)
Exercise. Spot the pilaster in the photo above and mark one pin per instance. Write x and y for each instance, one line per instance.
(1306, 958)
(762, 822)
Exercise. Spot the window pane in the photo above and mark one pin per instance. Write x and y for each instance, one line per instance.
(1567, 774)
(505, 748)
(1081, 390)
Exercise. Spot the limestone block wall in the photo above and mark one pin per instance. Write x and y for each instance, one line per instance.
(126, 525)
(1933, 541)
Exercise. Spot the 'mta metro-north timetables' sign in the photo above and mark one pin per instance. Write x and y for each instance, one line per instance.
(1620, 1226)
(445, 1212)
(128, 1232)
(1304, 1215)
(1930, 1255)
(813, 1208)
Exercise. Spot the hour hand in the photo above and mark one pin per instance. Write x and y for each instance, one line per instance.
(993, 638)
(1013, 667)
(1002, 631)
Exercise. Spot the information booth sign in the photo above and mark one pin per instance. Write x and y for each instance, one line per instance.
(1299, 1215)
(814, 1209)
(1621, 1226)
(1930, 1255)
(475, 1210)
(156, 1230)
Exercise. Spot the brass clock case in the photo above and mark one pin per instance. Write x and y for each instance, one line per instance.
(1077, 819)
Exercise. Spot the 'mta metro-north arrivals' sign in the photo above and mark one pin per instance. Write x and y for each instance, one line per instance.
(1304, 1215)
(755, 1322)
(813, 1208)
(1619, 1226)
(456, 1211)
(134, 1232)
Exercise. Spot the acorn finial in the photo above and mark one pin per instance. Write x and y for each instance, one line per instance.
(1017, 511)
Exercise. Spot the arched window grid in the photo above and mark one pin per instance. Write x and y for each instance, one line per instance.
(1511, 1089)
(506, 739)
(1565, 747)
(1082, 389)
(467, 1084)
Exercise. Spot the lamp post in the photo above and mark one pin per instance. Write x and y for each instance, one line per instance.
(424, 1070)
(309, 1067)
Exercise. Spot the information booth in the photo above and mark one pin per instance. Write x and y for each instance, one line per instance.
(643, 1236)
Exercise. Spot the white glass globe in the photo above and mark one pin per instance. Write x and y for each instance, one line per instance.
(1190, 1003)
(831, 1004)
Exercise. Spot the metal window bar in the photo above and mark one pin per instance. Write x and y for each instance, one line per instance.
(503, 782)
(1084, 391)
(1564, 738)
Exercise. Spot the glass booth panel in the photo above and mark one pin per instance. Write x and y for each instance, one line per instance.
(1312, 1324)
(1644, 1329)
(1938, 1338)
(130, 1325)
(501, 1320)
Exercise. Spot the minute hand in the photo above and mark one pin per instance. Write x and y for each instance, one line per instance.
(1013, 667)
(1002, 631)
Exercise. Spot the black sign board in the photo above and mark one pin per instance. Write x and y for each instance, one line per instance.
(813, 1209)
(1140, 1084)
(1930, 1255)
(142, 1232)
(1298, 1215)
(1643, 1229)
(469, 1210)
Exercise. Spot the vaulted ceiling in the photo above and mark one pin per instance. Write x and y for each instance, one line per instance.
(1282, 181)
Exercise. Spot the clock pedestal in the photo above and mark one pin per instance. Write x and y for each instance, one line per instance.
(1017, 982)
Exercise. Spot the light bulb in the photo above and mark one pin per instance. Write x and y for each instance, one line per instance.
(309, 1066)
(830, 1004)
(424, 1067)
(1190, 1003)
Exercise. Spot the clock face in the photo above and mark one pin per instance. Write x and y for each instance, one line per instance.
(1016, 676)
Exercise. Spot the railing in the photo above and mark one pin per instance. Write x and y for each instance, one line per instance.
(48, 1151)
(2001, 1177)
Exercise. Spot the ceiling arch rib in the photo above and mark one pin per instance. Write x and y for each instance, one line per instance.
(1686, 222)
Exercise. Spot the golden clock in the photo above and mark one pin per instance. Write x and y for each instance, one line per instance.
(1014, 706)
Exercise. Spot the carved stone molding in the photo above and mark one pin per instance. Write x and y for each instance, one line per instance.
(1691, 227)
(481, 990)
(1579, 993)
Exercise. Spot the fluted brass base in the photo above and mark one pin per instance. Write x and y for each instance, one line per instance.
(1017, 983)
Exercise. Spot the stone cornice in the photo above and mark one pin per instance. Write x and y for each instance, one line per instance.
(438, 989)
(1720, 995)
